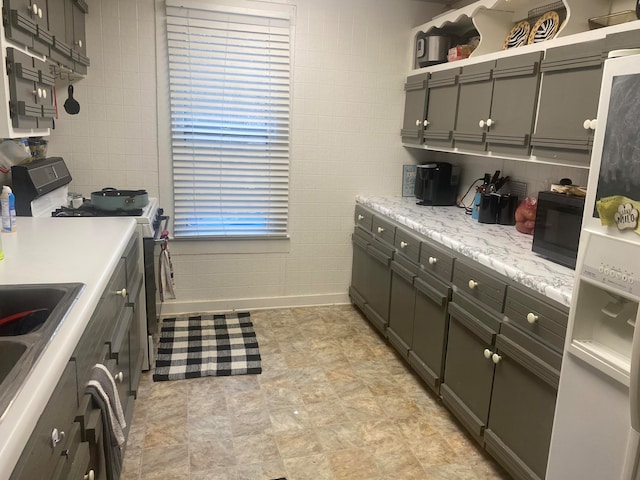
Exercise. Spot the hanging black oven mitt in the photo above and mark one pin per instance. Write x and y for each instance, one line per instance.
(71, 106)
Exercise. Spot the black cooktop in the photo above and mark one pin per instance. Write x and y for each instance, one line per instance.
(87, 209)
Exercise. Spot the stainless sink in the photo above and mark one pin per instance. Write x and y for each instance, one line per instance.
(24, 338)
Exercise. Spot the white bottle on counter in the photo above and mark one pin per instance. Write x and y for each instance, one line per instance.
(8, 206)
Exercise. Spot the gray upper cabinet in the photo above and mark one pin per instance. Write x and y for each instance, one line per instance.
(415, 108)
(497, 104)
(442, 102)
(474, 105)
(516, 82)
(571, 77)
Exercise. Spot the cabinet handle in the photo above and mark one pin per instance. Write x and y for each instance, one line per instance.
(481, 124)
(425, 123)
(34, 9)
(90, 476)
(496, 358)
(418, 123)
(39, 13)
(380, 229)
(57, 436)
(472, 284)
(360, 217)
(119, 377)
(79, 43)
(487, 353)
(490, 122)
(532, 318)
(38, 93)
(122, 293)
(403, 244)
(44, 93)
(433, 260)
(590, 124)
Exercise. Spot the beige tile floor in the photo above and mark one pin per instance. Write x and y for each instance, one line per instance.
(334, 402)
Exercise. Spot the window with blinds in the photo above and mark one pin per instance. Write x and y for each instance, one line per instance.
(229, 89)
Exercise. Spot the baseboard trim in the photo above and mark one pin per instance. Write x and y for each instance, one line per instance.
(177, 307)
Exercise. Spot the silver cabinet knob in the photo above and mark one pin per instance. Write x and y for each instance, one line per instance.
(487, 353)
(433, 260)
(119, 377)
(532, 318)
(496, 358)
(472, 284)
(122, 293)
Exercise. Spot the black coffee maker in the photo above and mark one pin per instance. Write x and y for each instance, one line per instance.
(437, 183)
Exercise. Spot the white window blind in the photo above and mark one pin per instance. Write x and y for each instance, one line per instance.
(229, 84)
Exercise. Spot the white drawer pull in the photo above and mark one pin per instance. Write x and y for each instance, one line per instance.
(119, 377)
(490, 122)
(426, 123)
(403, 244)
(418, 123)
(472, 284)
(487, 353)
(90, 476)
(532, 318)
(122, 293)
(57, 436)
(380, 229)
(360, 217)
(496, 358)
(433, 260)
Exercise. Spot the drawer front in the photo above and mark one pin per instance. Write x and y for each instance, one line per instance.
(436, 261)
(479, 285)
(383, 229)
(537, 317)
(363, 218)
(407, 244)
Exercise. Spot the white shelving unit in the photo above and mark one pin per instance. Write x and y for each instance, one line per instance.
(494, 19)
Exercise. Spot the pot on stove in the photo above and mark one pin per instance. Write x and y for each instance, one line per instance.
(114, 199)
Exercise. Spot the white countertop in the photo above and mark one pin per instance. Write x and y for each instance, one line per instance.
(55, 250)
(499, 247)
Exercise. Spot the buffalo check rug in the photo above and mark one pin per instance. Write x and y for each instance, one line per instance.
(194, 346)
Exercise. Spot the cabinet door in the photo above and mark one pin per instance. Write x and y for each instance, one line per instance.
(402, 306)
(468, 374)
(52, 434)
(515, 98)
(571, 77)
(61, 27)
(430, 326)
(21, 26)
(23, 76)
(474, 106)
(120, 351)
(415, 108)
(78, 42)
(522, 404)
(441, 108)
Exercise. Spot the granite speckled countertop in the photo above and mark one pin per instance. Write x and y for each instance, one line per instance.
(499, 247)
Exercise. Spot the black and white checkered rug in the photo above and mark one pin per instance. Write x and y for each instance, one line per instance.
(201, 345)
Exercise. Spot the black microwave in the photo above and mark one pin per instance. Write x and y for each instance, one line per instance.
(557, 227)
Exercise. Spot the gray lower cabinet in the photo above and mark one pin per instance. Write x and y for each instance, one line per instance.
(468, 371)
(430, 327)
(404, 269)
(442, 104)
(70, 416)
(415, 108)
(571, 77)
(371, 270)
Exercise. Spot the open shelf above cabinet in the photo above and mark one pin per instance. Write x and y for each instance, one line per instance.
(495, 20)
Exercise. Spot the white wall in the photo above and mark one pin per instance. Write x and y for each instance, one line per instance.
(348, 100)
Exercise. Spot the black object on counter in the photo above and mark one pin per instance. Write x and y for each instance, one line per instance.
(437, 183)
(507, 209)
(489, 205)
